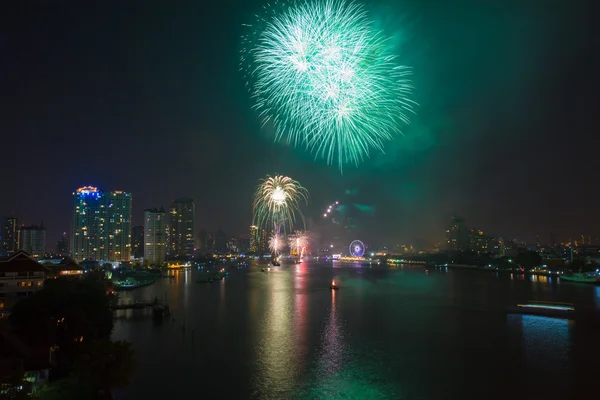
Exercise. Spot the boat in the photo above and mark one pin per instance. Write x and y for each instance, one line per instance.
(334, 286)
(545, 309)
(275, 263)
(212, 277)
(132, 283)
(582, 277)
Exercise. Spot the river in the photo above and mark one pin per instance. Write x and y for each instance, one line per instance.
(401, 333)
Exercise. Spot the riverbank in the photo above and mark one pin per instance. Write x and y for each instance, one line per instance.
(515, 270)
(133, 280)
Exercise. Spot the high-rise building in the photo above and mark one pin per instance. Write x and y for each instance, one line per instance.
(33, 240)
(479, 243)
(10, 235)
(155, 236)
(258, 239)
(244, 242)
(201, 241)
(85, 232)
(116, 235)
(101, 225)
(232, 245)
(457, 235)
(62, 246)
(221, 241)
(181, 228)
(137, 241)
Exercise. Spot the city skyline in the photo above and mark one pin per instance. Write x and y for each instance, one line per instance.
(489, 142)
(193, 234)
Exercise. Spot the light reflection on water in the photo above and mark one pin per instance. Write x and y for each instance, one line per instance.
(545, 341)
(333, 346)
(285, 334)
(275, 350)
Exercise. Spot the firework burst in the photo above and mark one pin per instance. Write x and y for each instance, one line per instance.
(299, 241)
(277, 203)
(276, 243)
(326, 79)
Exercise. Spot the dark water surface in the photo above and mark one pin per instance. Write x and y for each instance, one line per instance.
(403, 333)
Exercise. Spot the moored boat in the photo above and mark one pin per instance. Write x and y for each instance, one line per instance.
(582, 277)
(212, 277)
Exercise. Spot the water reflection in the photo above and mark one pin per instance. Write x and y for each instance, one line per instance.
(539, 278)
(275, 374)
(544, 342)
(222, 314)
(386, 334)
(301, 315)
(333, 346)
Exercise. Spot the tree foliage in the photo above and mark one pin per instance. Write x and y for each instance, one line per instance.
(75, 317)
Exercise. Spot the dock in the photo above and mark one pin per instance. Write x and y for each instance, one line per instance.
(133, 306)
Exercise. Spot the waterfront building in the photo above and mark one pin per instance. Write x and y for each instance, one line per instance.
(258, 239)
(478, 241)
(33, 240)
(63, 268)
(101, 227)
(10, 234)
(85, 231)
(155, 236)
(20, 276)
(116, 235)
(457, 235)
(137, 241)
(181, 228)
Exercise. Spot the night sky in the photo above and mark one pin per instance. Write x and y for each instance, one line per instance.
(147, 97)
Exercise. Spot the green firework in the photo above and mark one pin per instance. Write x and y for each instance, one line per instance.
(326, 79)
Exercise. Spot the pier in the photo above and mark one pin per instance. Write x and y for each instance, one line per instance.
(139, 305)
(134, 305)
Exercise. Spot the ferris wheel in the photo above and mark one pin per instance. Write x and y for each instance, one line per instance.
(357, 248)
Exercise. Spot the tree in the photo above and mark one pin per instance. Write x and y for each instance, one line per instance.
(65, 389)
(65, 313)
(74, 309)
(106, 365)
(76, 317)
(528, 259)
(15, 388)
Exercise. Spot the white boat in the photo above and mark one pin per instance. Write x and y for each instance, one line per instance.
(582, 277)
(545, 309)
